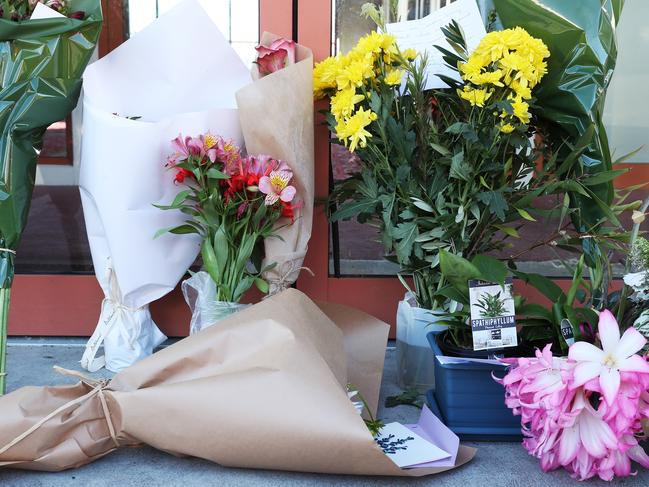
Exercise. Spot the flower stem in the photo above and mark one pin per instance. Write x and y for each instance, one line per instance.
(4, 318)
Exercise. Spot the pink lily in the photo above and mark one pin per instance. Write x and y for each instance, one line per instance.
(275, 186)
(588, 431)
(618, 355)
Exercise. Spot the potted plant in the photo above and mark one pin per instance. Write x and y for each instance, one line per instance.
(448, 169)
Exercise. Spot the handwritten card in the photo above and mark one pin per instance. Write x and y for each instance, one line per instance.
(422, 34)
(406, 448)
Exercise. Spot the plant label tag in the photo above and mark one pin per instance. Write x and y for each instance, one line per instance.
(493, 317)
(567, 332)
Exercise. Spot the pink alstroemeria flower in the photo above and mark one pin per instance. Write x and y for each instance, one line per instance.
(209, 146)
(180, 147)
(278, 55)
(618, 355)
(275, 186)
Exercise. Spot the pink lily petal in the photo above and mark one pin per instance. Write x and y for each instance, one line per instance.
(609, 381)
(585, 371)
(639, 455)
(632, 342)
(609, 331)
(596, 436)
(635, 363)
(287, 194)
(265, 185)
(569, 445)
(271, 199)
(585, 352)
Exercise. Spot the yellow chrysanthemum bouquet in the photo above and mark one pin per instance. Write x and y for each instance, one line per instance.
(375, 65)
(506, 65)
(451, 169)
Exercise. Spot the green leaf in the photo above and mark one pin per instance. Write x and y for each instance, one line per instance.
(177, 202)
(214, 173)
(242, 286)
(422, 205)
(544, 285)
(511, 231)
(262, 285)
(405, 233)
(355, 208)
(209, 261)
(459, 170)
(603, 177)
(220, 247)
(492, 270)
(442, 150)
(525, 214)
(576, 281)
(183, 229)
(496, 202)
(457, 270)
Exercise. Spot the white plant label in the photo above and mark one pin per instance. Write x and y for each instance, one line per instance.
(493, 317)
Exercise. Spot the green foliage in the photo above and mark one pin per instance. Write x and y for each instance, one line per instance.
(409, 397)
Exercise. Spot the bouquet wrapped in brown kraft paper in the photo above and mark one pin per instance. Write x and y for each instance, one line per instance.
(265, 389)
(276, 115)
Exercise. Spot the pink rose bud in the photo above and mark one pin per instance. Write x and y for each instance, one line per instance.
(279, 54)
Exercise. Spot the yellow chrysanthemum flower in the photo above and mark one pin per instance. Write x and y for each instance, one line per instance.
(355, 74)
(372, 42)
(507, 128)
(410, 54)
(521, 112)
(477, 97)
(489, 78)
(344, 102)
(394, 77)
(353, 131)
(325, 74)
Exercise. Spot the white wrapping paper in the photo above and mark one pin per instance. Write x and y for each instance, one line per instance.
(178, 75)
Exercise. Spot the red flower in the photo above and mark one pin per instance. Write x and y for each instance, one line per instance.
(287, 210)
(182, 174)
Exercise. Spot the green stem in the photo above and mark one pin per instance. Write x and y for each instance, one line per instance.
(627, 268)
(4, 318)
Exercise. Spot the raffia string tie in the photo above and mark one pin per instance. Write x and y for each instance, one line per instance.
(286, 277)
(9, 251)
(98, 387)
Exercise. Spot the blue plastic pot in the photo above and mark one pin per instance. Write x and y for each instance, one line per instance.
(468, 400)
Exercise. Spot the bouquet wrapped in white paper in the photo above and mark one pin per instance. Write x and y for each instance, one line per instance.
(179, 74)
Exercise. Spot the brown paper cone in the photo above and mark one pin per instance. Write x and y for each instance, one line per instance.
(276, 114)
(264, 388)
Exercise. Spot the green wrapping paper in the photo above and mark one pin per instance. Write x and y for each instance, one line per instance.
(41, 63)
(581, 37)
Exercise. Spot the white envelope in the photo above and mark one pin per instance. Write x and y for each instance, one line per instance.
(179, 75)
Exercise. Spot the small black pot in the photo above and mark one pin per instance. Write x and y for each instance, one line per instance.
(450, 349)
